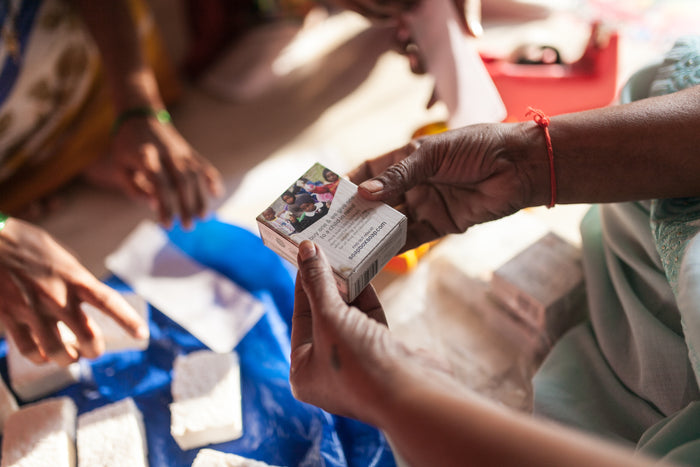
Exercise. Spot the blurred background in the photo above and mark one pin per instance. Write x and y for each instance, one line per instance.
(267, 90)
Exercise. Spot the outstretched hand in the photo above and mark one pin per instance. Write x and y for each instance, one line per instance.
(41, 284)
(448, 182)
(153, 161)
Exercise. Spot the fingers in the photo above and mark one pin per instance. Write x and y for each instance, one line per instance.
(116, 307)
(472, 17)
(395, 180)
(34, 317)
(52, 343)
(212, 178)
(193, 180)
(405, 45)
(158, 164)
(374, 167)
(162, 188)
(419, 233)
(368, 302)
(32, 321)
(318, 281)
(88, 334)
(316, 289)
(182, 192)
(470, 11)
(22, 338)
(301, 319)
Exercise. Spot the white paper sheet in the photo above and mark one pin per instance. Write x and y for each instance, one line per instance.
(211, 307)
(451, 57)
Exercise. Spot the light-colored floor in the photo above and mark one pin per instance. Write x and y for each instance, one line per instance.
(341, 96)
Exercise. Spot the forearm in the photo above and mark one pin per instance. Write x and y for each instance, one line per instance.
(132, 81)
(643, 150)
(433, 426)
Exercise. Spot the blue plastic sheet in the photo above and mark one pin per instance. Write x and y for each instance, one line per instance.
(278, 429)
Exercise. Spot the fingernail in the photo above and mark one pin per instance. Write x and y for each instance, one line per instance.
(307, 250)
(142, 332)
(372, 186)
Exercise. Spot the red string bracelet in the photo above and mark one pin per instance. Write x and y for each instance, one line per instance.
(543, 122)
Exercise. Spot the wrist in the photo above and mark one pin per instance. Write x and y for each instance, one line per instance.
(414, 379)
(527, 146)
(137, 89)
(161, 115)
(4, 218)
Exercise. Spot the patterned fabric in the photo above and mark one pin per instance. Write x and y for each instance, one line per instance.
(633, 372)
(674, 223)
(43, 89)
(680, 69)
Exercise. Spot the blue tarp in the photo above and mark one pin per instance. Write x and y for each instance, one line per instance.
(278, 429)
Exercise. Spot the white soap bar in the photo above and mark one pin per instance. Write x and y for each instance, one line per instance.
(41, 434)
(116, 338)
(206, 408)
(544, 285)
(112, 436)
(211, 307)
(212, 458)
(31, 381)
(8, 404)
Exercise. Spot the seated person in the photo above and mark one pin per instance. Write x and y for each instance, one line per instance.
(280, 223)
(82, 93)
(619, 389)
(291, 211)
(68, 102)
(312, 211)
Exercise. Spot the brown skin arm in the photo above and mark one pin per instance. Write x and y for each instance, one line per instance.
(448, 182)
(41, 284)
(150, 160)
(345, 360)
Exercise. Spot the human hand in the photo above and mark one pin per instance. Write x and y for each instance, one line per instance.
(468, 13)
(41, 284)
(446, 183)
(153, 161)
(344, 359)
(377, 9)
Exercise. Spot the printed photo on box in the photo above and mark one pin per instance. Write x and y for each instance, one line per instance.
(304, 203)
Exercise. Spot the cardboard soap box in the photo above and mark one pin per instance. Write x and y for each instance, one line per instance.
(358, 236)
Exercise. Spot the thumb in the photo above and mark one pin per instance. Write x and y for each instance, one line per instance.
(318, 281)
(400, 177)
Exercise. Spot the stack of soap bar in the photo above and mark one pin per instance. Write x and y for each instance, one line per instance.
(115, 337)
(212, 458)
(31, 381)
(206, 408)
(112, 435)
(39, 434)
(543, 286)
(8, 404)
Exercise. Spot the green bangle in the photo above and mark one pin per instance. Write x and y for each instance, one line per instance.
(162, 115)
(3, 220)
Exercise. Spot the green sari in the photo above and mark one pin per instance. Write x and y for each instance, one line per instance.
(631, 372)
